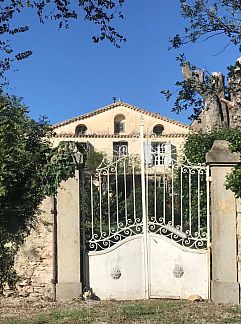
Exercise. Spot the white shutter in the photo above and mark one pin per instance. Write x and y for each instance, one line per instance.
(147, 154)
(168, 154)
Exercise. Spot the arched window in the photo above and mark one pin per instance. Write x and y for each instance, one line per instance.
(119, 124)
(80, 129)
(158, 129)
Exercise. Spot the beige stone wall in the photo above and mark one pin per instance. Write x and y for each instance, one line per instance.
(34, 260)
(100, 129)
(103, 123)
(105, 144)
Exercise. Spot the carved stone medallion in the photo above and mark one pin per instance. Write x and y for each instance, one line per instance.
(115, 273)
(178, 271)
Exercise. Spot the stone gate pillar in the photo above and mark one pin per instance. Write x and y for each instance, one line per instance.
(68, 240)
(224, 277)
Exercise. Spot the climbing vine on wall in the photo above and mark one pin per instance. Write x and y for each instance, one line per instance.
(30, 169)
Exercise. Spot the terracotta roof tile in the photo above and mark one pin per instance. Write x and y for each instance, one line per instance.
(117, 136)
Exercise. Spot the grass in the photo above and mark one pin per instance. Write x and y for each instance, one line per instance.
(103, 312)
(71, 315)
(63, 315)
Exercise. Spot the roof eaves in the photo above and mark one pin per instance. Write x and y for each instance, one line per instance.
(116, 104)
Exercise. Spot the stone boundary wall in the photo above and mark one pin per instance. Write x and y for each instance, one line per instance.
(34, 259)
(238, 204)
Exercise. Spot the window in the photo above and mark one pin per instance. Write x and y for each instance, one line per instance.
(161, 153)
(119, 149)
(158, 153)
(158, 129)
(80, 130)
(84, 146)
(119, 124)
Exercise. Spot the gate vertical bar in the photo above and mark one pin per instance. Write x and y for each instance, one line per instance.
(144, 214)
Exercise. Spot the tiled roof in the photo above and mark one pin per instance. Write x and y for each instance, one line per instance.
(153, 136)
(117, 104)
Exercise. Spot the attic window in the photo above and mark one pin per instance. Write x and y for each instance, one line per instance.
(158, 129)
(119, 124)
(80, 130)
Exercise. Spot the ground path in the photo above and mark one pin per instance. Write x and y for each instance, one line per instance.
(23, 310)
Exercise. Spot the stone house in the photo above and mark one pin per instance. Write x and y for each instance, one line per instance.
(114, 130)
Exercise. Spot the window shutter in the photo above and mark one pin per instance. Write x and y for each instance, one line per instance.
(168, 154)
(147, 154)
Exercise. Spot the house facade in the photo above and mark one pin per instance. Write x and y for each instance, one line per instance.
(115, 130)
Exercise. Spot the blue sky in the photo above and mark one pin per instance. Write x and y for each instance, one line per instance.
(68, 75)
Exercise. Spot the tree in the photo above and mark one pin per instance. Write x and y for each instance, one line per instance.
(30, 169)
(100, 12)
(218, 102)
(207, 19)
(198, 144)
(216, 105)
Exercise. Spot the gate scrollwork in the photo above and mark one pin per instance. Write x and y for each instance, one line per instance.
(176, 196)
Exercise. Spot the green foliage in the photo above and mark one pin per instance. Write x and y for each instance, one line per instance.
(190, 94)
(100, 13)
(198, 90)
(234, 180)
(187, 94)
(208, 18)
(197, 145)
(29, 170)
(191, 185)
(155, 202)
(93, 160)
(111, 190)
(195, 149)
(59, 166)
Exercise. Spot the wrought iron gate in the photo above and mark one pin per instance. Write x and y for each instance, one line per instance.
(147, 228)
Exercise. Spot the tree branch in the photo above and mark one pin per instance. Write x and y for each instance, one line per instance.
(229, 103)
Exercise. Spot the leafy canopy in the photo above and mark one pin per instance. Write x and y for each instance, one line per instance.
(30, 169)
(210, 18)
(206, 19)
(100, 12)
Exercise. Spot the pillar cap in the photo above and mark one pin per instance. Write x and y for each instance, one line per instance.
(220, 153)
